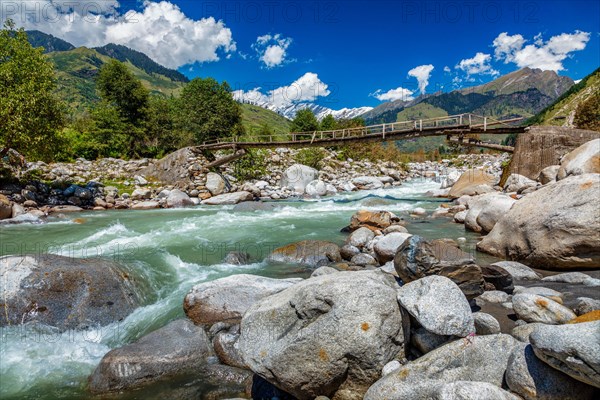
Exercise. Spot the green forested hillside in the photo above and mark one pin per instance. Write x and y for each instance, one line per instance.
(254, 119)
(562, 110)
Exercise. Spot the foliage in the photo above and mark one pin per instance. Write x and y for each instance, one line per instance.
(120, 88)
(328, 123)
(254, 118)
(208, 110)
(162, 135)
(140, 60)
(587, 115)
(252, 166)
(311, 156)
(30, 113)
(305, 121)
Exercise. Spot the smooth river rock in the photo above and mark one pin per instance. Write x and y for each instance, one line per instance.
(472, 182)
(64, 292)
(438, 305)
(533, 379)
(215, 184)
(314, 253)
(583, 160)
(478, 359)
(374, 220)
(177, 199)
(387, 246)
(534, 308)
(228, 198)
(573, 349)
(227, 299)
(297, 176)
(555, 227)
(178, 347)
(517, 270)
(330, 335)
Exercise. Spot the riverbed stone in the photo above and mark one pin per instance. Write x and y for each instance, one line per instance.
(364, 259)
(360, 237)
(297, 176)
(215, 184)
(374, 220)
(314, 339)
(584, 305)
(573, 278)
(325, 270)
(5, 207)
(573, 349)
(367, 182)
(438, 305)
(348, 251)
(522, 332)
(177, 199)
(548, 174)
(313, 253)
(237, 258)
(178, 347)
(228, 198)
(517, 270)
(478, 359)
(228, 299)
(473, 182)
(533, 308)
(533, 379)
(553, 228)
(226, 347)
(65, 292)
(485, 324)
(316, 188)
(583, 160)
(426, 341)
(494, 296)
(145, 205)
(518, 183)
(386, 246)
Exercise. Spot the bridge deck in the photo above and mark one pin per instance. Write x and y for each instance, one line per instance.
(461, 124)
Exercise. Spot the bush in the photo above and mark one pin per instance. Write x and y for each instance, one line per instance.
(587, 115)
(252, 166)
(311, 156)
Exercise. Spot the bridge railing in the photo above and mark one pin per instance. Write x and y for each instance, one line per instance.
(459, 120)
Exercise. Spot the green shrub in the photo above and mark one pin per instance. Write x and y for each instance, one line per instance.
(311, 156)
(252, 166)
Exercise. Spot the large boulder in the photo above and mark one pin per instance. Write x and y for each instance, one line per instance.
(548, 174)
(330, 335)
(438, 305)
(439, 390)
(583, 160)
(367, 182)
(360, 237)
(555, 227)
(177, 348)
(517, 270)
(297, 177)
(228, 299)
(374, 220)
(228, 198)
(64, 292)
(386, 246)
(473, 182)
(534, 308)
(478, 359)
(518, 183)
(486, 209)
(573, 349)
(314, 253)
(316, 188)
(177, 198)
(418, 257)
(5, 207)
(533, 379)
(215, 184)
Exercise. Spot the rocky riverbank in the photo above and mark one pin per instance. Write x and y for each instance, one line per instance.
(138, 184)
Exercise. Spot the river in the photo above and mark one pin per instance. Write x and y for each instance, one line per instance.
(168, 251)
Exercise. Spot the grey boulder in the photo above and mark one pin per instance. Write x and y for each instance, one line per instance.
(573, 349)
(176, 348)
(329, 335)
(438, 305)
(517, 270)
(534, 308)
(313, 253)
(533, 379)
(64, 292)
(228, 198)
(485, 324)
(297, 176)
(387, 246)
(228, 299)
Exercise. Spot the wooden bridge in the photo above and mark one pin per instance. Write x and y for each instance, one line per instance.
(454, 127)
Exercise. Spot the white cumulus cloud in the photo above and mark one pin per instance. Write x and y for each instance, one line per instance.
(545, 55)
(160, 29)
(306, 88)
(422, 73)
(399, 93)
(480, 64)
(272, 49)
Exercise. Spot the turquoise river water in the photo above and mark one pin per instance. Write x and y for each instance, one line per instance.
(170, 251)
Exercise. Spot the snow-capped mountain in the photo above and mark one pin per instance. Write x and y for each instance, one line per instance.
(289, 111)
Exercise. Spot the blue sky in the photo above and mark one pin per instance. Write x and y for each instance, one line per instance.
(344, 53)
